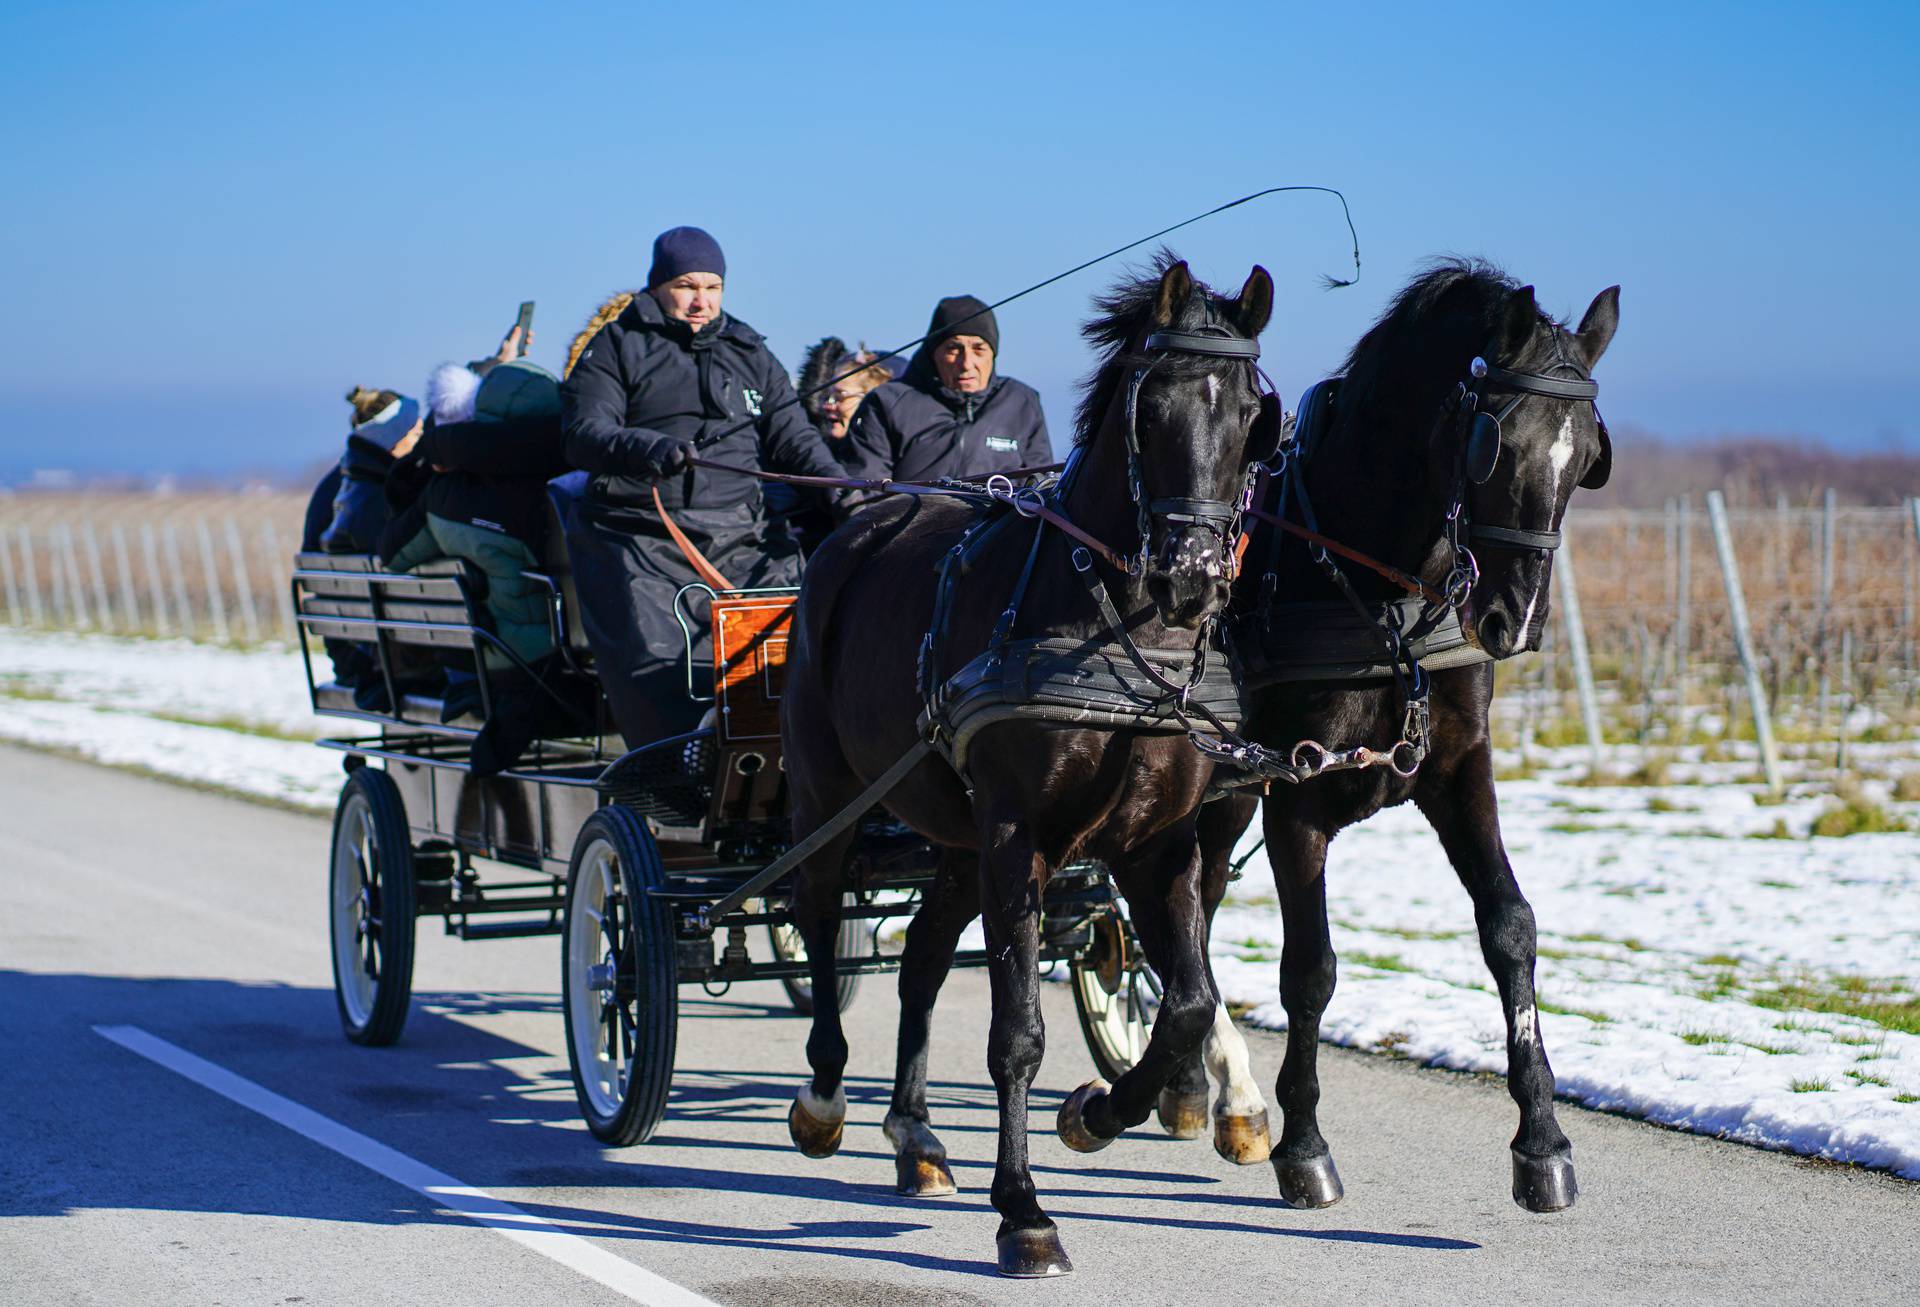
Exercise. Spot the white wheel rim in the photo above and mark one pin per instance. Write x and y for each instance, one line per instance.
(356, 911)
(1121, 1023)
(598, 925)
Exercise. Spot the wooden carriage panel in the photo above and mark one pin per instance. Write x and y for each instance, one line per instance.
(750, 636)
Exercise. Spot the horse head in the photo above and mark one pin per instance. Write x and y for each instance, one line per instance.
(1180, 397)
(1522, 435)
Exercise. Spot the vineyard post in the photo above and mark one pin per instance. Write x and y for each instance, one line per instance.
(1846, 693)
(1683, 603)
(282, 583)
(29, 577)
(76, 588)
(1913, 584)
(56, 579)
(1743, 638)
(182, 607)
(98, 574)
(243, 583)
(1577, 643)
(1825, 606)
(216, 600)
(129, 597)
(150, 550)
(6, 575)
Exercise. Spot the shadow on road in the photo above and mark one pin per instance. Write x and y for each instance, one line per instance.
(92, 1126)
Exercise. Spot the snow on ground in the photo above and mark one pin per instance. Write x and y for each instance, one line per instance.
(238, 720)
(1693, 969)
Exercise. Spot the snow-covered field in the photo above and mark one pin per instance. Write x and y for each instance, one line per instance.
(1696, 968)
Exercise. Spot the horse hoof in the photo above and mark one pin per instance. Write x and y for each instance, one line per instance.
(922, 1177)
(1309, 1183)
(1184, 1116)
(1073, 1130)
(1544, 1184)
(1032, 1254)
(815, 1128)
(1242, 1140)
(919, 1159)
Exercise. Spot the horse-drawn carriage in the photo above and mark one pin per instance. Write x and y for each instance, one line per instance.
(651, 865)
(1268, 594)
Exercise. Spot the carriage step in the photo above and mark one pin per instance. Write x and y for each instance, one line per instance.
(502, 929)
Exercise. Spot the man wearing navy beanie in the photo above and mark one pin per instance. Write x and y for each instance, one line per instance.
(954, 413)
(672, 375)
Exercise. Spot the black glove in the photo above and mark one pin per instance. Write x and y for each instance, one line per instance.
(666, 456)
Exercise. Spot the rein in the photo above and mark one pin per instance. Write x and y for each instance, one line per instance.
(1411, 584)
(998, 488)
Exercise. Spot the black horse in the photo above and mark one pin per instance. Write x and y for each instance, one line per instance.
(1177, 375)
(1415, 411)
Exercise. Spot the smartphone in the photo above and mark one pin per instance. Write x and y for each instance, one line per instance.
(526, 325)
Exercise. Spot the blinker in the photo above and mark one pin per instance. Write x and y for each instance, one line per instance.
(1483, 448)
(1263, 441)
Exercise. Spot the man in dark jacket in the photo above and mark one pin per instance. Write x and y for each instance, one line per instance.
(953, 413)
(670, 375)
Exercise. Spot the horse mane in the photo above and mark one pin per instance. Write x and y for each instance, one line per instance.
(1435, 324)
(1122, 314)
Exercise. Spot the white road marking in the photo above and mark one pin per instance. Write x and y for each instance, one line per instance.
(477, 1205)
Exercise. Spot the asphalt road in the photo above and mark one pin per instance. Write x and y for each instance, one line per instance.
(201, 921)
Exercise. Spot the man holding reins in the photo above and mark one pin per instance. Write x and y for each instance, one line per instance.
(672, 372)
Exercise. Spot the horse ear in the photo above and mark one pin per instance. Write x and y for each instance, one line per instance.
(1597, 327)
(1176, 287)
(1254, 307)
(1518, 325)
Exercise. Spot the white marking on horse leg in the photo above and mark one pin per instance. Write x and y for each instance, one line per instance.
(1525, 1026)
(1225, 1053)
(826, 1111)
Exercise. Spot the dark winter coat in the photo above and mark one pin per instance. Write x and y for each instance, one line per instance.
(489, 507)
(915, 429)
(496, 478)
(647, 382)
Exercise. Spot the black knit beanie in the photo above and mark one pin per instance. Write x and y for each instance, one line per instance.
(963, 315)
(680, 250)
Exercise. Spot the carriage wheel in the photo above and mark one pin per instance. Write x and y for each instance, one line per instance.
(372, 905)
(1115, 995)
(854, 942)
(620, 979)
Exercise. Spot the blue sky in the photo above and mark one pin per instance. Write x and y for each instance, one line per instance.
(221, 216)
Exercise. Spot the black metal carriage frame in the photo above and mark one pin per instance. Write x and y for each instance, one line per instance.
(693, 825)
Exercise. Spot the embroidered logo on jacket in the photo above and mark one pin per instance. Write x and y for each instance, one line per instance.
(753, 400)
(1002, 444)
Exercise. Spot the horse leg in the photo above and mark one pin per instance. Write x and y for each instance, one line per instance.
(1028, 1243)
(1462, 811)
(1302, 1162)
(819, 1112)
(1240, 1112)
(920, 1160)
(1163, 889)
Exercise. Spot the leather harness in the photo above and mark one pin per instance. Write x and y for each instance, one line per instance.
(1110, 684)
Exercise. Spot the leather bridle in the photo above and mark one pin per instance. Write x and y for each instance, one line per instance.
(1478, 433)
(1220, 516)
